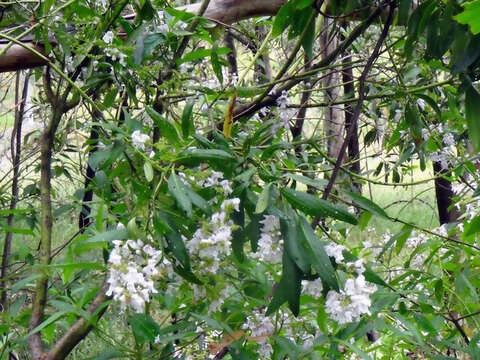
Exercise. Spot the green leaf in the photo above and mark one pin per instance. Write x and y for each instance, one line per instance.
(109, 355)
(293, 244)
(148, 170)
(317, 183)
(179, 191)
(47, 322)
(78, 265)
(28, 281)
(144, 328)
(217, 67)
(176, 246)
(308, 39)
(472, 110)
(187, 120)
(315, 206)
(263, 199)
(195, 55)
(316, 252)
(166, 128)
(208, 155)
(147, 11)
(82, 244)
(288, 289)
(400, 238)
(198, 201)
(8, 229)
(439, 290)
(470, 16)
(367, 204)
(282, 19)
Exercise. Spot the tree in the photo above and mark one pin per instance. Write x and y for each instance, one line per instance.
(185, 189)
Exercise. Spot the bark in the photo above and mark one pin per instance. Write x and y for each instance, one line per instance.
(80, 329)
(361, 97)
(333, 117)
(353, 144)
(19, 58)
(58, 108)
(16, 151)
(447, 212)
(221, 11)
(84, 219)
(263, 69)
(232, 55)
(230, 11)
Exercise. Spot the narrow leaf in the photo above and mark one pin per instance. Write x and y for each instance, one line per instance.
(166, 128)
(187, 120)
(367, 204)
(318, 257)
(315, 206)
(262, 202)
(179, 191)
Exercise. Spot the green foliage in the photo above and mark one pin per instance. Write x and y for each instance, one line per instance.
(208, 243)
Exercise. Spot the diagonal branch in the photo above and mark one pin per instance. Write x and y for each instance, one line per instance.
(259, 103)
(358, 107)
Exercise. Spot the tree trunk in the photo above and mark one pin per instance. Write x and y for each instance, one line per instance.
(447, 212)
(16, 151)
(333, 117)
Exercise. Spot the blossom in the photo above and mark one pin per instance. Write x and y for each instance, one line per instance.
(132, 268)
(313, 288)
(211, 242)
(270, 244)
(421, 104)
(448, 139)
(261, 327)
(352, 302)
(336, 251)
(108, 37)
(139, 139)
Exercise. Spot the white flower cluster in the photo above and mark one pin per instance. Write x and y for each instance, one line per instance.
(313, 288)
(116, 55)
(284, 113)
(352, 302)
(446, 155)
(336, 251)
(108, 37)
(270, 244)
(133, 265)
(211, 242)
(261, 327)
(216, 179)
(416, 239)
(139, 139)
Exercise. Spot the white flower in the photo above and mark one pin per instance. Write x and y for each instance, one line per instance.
(448, 139)
(131, 269)
(270, 244)
(162, 28)
(313, 288)
(421, 104)
(358, 266)
(139, 139)
(108, 37)
(425, 134)
(282, 100)
(336, 251)
(398, 114)
(350, 304)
